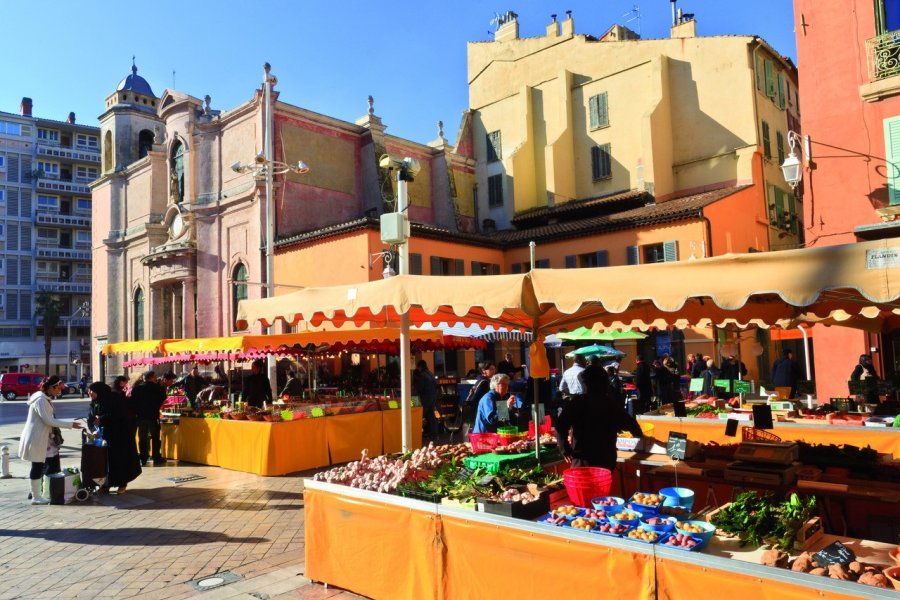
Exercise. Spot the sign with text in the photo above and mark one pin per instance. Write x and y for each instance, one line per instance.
(731, 426)
(834, 553)
(883, 258)
(762, 416)
(742, 387)
(696, 385)
(725, 384)
(676, 447)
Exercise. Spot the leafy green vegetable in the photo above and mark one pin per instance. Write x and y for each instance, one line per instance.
(762, 519)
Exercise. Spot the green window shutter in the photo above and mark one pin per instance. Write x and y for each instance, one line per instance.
(770, 199)
(602, 110)
(670, 251)
(605, 161)
(792, 212)
(632, 255)
(602, 258)
(595, 162)
(571, 262)
(892, 153)
(436, 265)
(770, 79)
(781, 90)
(767, 144)
(459, 267)
(759, 74)
(415, 264)
(779, 208)
(780, 143)
(594, 110)
(880, 20)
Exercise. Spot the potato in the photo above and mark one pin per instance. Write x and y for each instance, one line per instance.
(818, 571)
(774, 558)
(855, 567)
(875, 579)
(803, 563)
(838, 571)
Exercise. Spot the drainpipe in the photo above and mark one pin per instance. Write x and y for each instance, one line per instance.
(705, 219)
(809, 401)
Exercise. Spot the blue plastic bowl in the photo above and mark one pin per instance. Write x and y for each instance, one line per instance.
(708, 531)
(678, 496)
(627, 522)
(666, 524)
(646, 510)
(619, 504)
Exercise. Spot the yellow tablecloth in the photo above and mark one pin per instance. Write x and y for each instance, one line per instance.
(286, 447)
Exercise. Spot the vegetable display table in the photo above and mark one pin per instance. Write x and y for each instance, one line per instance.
(285, 447)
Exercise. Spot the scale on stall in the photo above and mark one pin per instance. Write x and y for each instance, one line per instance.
(770, 463)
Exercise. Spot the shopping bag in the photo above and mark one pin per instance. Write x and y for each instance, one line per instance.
(61, 487)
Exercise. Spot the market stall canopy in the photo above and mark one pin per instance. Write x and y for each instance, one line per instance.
(861, 279)
(597, 350)
(332, 337)
(137, 346)
(585, 333)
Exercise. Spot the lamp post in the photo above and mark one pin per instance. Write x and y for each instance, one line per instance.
(264, 166)
(84, 309)
(792, 165)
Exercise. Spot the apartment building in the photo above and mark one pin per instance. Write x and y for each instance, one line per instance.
(45, 237)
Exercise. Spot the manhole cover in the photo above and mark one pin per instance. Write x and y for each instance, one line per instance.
(213, 581)
(185, 478)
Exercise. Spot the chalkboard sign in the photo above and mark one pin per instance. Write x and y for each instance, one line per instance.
(677, 445)
(762, 416)
(834, 553)
(680, 408)
(696, 385)
(731, 426)
(806, 387)
(741, 387)
(725, 384)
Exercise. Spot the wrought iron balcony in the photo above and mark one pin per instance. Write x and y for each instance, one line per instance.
(883, 55)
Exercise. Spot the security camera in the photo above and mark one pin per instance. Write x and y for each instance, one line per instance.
(390, 162)
(408, 166)
(411, 166)
(236, 167)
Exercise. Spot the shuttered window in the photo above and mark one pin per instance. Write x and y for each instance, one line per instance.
(594, 259)
(495, 191)
(517, 267)
(571, 261)
(494, 147)
(781, 102)
(483, 268)
(632, 255)
(779, 208)
(760, 74)
(542, 263)
(892, 152)
(598, 110)
(459, 266)
(767, 144)
(771, 90)
(415, 264)
(670, 251)
(601, 162)
(792, 213)
(779, 141)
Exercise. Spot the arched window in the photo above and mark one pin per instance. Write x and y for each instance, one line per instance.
(138, 314)
(239, 289)
(107, 152)
(176, 175)
(145, 142)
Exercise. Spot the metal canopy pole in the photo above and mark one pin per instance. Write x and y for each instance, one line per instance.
(405, 388)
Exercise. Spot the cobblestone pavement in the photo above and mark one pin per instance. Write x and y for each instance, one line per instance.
(157, 537)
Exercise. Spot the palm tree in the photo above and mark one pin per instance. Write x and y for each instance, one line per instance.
(48, 306)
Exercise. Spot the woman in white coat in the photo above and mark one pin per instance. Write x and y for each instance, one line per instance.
(38, 444)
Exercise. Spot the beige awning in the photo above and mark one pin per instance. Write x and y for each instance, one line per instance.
(764, 289)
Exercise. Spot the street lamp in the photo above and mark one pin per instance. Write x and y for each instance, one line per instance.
(264, 166)
(792, 166)
(84, 309)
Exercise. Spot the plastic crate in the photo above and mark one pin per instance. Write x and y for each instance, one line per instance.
(546, 427)
(420, 495)
(752, 434)
(483, 442)
(508, 438)
(507, 430)
(584, 483)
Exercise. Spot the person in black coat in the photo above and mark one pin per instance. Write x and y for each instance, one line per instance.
(257, 388)
(644, 383)
(865, 371)
(786, 372)
(709, 379)
(108, 410)
(594, 420)
(193, 383)
(147, 397)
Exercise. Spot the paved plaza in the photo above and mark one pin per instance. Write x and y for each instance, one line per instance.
(156, 538)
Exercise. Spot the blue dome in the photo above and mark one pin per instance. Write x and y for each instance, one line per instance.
(135, 83)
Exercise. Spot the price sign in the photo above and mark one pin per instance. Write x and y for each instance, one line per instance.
(676, 447)
(762, 416)
(725, 384)
(731, 426)
(696, 385)
(680, 409)
(834, 553)
(741, 387)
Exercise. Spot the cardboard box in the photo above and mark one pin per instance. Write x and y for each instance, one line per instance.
(811, 532)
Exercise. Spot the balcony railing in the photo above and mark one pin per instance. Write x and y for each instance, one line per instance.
(63, 254)
(62, 287)
(62, 185)
(883, 54)
(56, 220)
(80, 153)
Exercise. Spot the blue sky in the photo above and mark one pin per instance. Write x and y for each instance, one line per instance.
(328, 56)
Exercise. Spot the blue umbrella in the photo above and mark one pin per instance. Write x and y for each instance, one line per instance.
(596, 350)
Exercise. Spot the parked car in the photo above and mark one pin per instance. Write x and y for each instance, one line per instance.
(13, 385)
(71, 387)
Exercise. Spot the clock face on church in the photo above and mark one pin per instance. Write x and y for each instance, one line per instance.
(176, 226)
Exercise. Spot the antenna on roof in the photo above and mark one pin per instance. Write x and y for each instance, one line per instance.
(496, 21)
(173, 79)
(634, 15)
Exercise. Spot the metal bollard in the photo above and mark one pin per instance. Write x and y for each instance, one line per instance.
(4, 463)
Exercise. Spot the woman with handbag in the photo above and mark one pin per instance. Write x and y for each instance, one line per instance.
(42, 438)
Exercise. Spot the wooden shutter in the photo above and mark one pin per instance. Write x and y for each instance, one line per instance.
(779, 141)
(594, 110)
(670, 251)
(759, 74)
(459, 267)
(415, 264)
(436, 265)
(770, 79)
(781, 102)
(601, 161)
(602, 258)
(779, 207)
(632, 255)
(792, 212)
(571, 261)
(892, 153)
(767, 144)
(595, 162)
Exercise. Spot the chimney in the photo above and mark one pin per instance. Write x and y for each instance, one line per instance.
(553, 28)
(26, 107)
(568, 26)
(686, 28)
(508, 27)
(71, 119)
(674, 13)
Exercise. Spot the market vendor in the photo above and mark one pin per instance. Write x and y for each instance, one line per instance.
(257, 388)
(487, 420)
(594, 419)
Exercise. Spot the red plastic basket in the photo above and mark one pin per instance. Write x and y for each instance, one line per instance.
(546, 427)
(759, 435)
(483, 442)
(585, 483)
